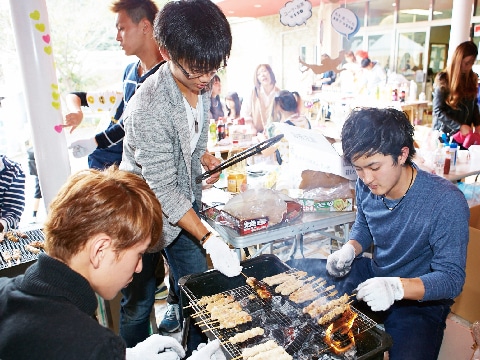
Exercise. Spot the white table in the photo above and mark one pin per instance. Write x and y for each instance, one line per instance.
(463, 170)
(309, 222)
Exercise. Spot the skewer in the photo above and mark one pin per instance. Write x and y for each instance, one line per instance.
(333, 293)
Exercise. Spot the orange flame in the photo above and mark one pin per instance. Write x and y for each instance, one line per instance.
(343, 326)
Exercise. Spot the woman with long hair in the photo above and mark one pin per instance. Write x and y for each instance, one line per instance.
(233, 104)
(455, 107)
(256, 110)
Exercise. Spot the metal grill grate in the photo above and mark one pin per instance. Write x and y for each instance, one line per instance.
(27, 256)
(282, 321)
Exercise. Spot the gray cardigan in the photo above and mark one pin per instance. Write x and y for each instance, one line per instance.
(157, 147)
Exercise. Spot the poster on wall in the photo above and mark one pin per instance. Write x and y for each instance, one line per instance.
(296, 13)
(345, 22)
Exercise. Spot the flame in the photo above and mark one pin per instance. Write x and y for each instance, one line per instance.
(343, 326)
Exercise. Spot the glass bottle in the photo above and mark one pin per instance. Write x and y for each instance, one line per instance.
(237, 173)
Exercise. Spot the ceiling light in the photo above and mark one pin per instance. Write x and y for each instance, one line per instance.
(257, 6)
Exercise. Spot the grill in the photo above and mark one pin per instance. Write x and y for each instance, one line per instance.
(26, 256)
(282, 320)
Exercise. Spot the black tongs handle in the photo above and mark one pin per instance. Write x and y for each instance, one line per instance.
(252, 150)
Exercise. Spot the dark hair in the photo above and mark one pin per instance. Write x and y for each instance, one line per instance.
(136, 9)
(459, 86)
(370, 131)
(365, 62)
(234, 96)
(288, 101)
(195, 31)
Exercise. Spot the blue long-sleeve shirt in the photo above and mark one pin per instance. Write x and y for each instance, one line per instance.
(426, 236)
(12, 193)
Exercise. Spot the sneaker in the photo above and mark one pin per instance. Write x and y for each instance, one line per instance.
(170, 322)
(161, 292)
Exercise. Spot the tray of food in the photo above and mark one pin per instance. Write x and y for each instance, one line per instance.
(19, 247)
(274, 311)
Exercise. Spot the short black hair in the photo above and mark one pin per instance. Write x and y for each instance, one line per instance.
(195, 31)
(370, 131)
(136, 9)
(365, 62)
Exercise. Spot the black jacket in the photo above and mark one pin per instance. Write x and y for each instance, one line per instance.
(449, 120)
(49, 313)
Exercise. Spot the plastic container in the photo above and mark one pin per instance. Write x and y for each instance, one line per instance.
(220, 130)
(446, 165)
(439, 159)
(453, 155)
(237, 173)
(212, 128)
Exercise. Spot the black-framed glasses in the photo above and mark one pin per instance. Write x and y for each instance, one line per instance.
(196, 75)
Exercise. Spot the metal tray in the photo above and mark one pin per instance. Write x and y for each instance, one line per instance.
(27, 256)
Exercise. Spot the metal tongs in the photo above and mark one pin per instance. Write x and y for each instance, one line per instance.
(252, 150)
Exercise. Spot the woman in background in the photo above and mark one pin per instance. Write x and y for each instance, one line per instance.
(287, 107)
(216, 107)
(455, 108)
(256, 110)
(233, 105)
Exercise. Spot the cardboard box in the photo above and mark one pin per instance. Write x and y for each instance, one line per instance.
(311, 205)
(467, 303)
(310, 150)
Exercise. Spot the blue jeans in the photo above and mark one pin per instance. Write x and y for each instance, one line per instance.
(137, 302)
(416, 327)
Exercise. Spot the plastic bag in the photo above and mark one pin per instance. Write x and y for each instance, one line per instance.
(257, 203)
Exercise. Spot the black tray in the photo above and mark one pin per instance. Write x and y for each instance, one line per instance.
(371, 344)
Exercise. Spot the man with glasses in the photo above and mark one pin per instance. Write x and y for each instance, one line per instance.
(166, 131)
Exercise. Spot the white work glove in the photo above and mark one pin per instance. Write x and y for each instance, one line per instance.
(380, 292)
(156, 347)
(223, 258)
(339, 263)
(84, 147)
(210, 351)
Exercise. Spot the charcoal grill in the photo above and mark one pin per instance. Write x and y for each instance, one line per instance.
(282, 319)
(13, 268)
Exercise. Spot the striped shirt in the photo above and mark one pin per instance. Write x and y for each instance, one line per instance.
(12, 193)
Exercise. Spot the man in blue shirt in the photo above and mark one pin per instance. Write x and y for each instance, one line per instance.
(135, 35)
(417, 224)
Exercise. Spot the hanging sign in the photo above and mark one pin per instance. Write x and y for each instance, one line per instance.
(296, 12)
(345, 22)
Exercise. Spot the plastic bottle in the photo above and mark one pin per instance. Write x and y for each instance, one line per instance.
(413, 91)
(221, 129)
(439, 159)
(446, 166)
(394, 95)
(237, 173)
(453, 155)
(212, 131)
